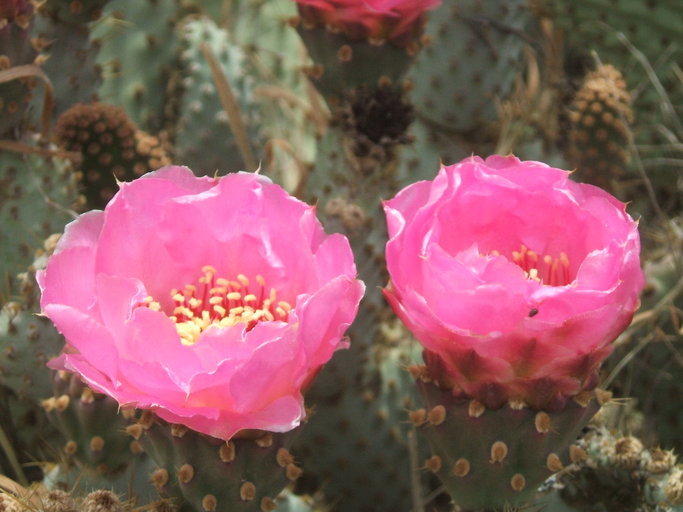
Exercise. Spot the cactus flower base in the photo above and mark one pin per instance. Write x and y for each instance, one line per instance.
(243, 474)
(488, 459)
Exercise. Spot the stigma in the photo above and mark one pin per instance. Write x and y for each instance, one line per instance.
(219, 302)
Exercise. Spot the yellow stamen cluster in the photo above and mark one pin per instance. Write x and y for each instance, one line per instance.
(545, 269)
(221, 302)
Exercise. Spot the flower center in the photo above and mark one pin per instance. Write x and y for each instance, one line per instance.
(543, 268)
(221, 302)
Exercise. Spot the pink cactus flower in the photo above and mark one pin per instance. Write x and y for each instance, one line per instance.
(514, 278)
(378, 20)
(211, 301)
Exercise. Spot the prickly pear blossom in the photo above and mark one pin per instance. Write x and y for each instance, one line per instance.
(378, 20)
(514, 278)
(211, 301)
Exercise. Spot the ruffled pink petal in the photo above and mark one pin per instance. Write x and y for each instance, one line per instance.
(83, 232)
(70, 279)
(324, 317)
(87, 335)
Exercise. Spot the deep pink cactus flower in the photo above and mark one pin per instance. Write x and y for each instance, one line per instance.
(211, 301)
(378, 20)
(515, 279)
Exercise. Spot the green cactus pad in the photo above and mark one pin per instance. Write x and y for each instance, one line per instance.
(137, 55)
(15, 96)
(93, 425)
(203, 122)
(27, 342)
(494, 458)
(37, 198)
(67, 57)
(474, 54)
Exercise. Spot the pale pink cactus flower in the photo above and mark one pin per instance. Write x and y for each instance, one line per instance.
(515, 279)
(211, 301)
(378, 20)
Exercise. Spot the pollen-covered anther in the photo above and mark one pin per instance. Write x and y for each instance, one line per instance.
(576, 453)
(461, 468)
(219, 302)
(185, 473)
(499, 450)
(437, 415)
(433, 464)
(247, 491)
(475, 409)
(548, 270)
(542, 422)
(209, 503)
(418, 417)
(554, 463)
(518, 482)
(227, 452)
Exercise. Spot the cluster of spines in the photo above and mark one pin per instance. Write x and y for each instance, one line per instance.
(600, 119)
(111, 146)
(248, 472)
(101, 500)
(618, 470)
